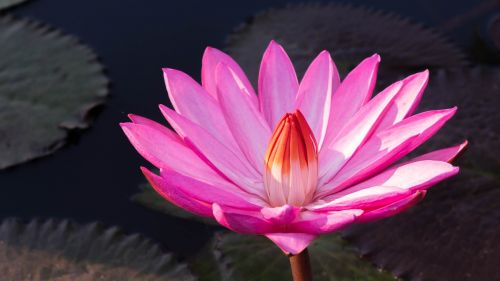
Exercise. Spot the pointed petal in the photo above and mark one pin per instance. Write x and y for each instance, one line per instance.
(407, 99)
(392, 209)
(445, 154)
(277, 84)
(211, 58)
(237, 170)
(360, 198)
(291, 243)
(315, 94)
(352, 94)
(242, 221)
(248, 126)
(228, 194)
(323, 222)
(192, 101)
(165, 150)
(386, 147)
(416, 175)
(176, 196)
(354, 133)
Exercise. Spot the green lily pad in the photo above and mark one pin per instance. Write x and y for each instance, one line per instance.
(149, 198)
(64, 251)
(4, 4)
(349, 33)
(453, 233)
(237, 257)
(49, 84)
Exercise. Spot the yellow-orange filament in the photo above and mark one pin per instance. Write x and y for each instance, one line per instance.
(291, 162)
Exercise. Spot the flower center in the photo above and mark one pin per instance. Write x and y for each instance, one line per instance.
(291, 162)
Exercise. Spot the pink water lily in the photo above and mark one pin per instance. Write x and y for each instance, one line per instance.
(297, 160)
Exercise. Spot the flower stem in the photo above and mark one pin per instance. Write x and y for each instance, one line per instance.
(301, 267)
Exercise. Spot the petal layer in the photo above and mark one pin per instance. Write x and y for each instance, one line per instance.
(176, 196)
(248, 126)
(354, 91)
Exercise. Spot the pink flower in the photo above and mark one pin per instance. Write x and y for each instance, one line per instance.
(297, 160)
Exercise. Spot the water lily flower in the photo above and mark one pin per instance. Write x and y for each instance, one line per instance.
(294, 160)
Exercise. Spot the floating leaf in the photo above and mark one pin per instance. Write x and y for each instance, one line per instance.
(4, 4)
(65, 251)
(453, 234)
(49, 83)
(149, 198)
(349, 33)
(248, 257)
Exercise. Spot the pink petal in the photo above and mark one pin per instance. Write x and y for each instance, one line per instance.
(211, 58)
(445, 154)
(165, 150)
(228, 194)
(277, 84)
(242, 221)
(354, 133)
(360, 198)
(291, 243)
(176, 196)
(315, 93)
(392, 209)
(425, 124)
(248, 126)
(352, 94)
(148, 122)
(192, 101)
(416, 175)
(374, 156)
(237, 170)
(280, 215)
(407, 100)
(323, 222)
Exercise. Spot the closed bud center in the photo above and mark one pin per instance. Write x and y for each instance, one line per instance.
(291, 162)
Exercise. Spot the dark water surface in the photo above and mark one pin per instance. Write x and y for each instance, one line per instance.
(94, 177)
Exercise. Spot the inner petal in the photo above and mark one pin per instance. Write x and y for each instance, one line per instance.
(291, 162)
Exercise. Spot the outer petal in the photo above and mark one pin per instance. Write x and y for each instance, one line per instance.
(176, 196)
(211, 58)
(392, 209)
(315, 93)
(291, 243)
(242, 221)
(323, 222)
(165, 150)
(445, 154)
(360, 198)
(416, 175)
(280, 215)
(354, 133)
(237, 170)
(228, 194)
(277, 84)
(352, 94)
(248, 126)
(407, 100)
(192, 101)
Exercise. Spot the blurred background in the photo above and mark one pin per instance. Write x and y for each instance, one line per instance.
(70, 71)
